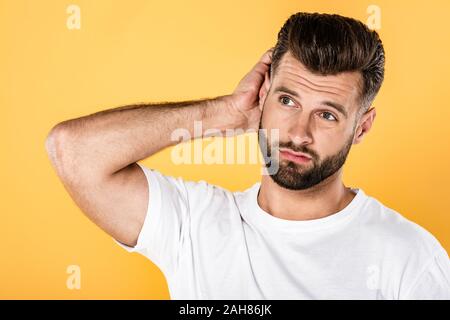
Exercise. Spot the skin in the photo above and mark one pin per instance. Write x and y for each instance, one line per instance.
(320, 131)
(95, 156)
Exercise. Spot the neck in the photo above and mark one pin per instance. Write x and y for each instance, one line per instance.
(324, 199)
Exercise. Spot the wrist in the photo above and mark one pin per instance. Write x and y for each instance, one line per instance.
(222, 114)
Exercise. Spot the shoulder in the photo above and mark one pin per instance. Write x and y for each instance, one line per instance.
(411, 257)
(198, 195)
(397, 234)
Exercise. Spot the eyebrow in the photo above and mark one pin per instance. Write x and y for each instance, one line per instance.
(339, 107)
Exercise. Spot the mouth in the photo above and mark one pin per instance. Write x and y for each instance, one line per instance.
(296, 157)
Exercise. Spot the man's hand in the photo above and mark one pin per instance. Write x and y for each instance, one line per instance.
(248, 97)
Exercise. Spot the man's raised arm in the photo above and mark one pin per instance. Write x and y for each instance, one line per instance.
(95, 156)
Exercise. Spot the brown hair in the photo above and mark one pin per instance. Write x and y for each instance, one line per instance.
(328, 44)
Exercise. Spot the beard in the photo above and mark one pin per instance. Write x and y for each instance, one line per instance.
(293, 176)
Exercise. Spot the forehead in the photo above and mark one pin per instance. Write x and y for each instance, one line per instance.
(343, 88)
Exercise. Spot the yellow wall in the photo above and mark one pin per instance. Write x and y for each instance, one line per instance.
(133, 51)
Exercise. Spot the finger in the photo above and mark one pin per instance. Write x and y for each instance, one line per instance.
(267, 56)
(264, 63)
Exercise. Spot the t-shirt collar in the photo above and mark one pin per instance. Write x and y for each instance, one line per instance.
(266, 220)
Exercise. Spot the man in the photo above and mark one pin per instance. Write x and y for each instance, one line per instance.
(297, 234)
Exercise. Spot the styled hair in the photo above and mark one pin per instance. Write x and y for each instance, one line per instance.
(327, 44)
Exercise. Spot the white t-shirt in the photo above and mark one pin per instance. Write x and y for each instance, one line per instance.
(212, 243)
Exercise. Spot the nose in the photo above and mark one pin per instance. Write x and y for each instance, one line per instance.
(300, 129)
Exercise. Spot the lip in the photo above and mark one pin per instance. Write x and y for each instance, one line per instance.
(297, 157)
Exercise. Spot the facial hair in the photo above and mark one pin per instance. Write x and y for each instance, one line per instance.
(293, 176)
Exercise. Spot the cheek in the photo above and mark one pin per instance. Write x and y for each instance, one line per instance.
(271, 118)
(327, 143)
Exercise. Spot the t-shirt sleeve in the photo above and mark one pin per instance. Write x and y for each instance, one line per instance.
(166, 222)
(433, 283)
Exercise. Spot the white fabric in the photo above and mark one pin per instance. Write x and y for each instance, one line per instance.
(212, 243)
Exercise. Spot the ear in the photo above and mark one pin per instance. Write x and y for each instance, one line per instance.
(264, 90)
(367, 120)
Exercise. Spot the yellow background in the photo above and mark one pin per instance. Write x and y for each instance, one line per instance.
(136, 51)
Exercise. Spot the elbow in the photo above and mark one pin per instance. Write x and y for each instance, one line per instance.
(56, 144)
(69, 154)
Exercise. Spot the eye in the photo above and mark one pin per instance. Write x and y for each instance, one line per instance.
(284, 99)
(328, 116)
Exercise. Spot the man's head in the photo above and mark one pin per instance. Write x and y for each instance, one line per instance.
(325, 72)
